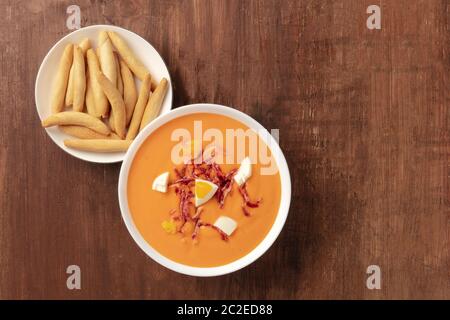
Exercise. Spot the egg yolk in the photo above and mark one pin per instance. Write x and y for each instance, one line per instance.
(202, 189)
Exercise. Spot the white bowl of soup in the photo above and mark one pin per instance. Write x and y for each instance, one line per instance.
(204, 190)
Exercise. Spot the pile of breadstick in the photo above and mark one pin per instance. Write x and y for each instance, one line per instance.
(95, 99)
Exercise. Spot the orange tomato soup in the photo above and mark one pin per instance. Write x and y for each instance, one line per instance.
(149, 208)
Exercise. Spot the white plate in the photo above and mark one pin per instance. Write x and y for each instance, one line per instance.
(283, 210)
(47, 72)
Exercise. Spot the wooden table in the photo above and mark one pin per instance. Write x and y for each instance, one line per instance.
(364, 124)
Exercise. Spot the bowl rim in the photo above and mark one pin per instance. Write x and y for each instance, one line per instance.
(105, 159)
(270, 237)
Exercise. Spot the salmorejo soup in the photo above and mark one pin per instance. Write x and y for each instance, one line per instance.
(203, 190)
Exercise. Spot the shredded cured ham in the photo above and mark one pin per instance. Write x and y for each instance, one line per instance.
(245, 210)
(211, 171)
(185, 202)
(247, 202)
(245, 196)
(225, 185)
(185, 178)
(219, 173)
(182, 181)
(197, 214)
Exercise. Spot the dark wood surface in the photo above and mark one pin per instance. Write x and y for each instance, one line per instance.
(364, 124)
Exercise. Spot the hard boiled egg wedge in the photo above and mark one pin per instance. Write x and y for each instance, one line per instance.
(160, 182)
(204, 190)
(226, 224)
(244, 172)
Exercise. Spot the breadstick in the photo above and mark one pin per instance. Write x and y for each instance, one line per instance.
(69, 92)
(86, 133)
(78, 119)
(79, 79)
(154, 103)
(119, 75)
(139, 109)
(62, 77)
(107, 60)
(128, 56)
(129, 89)
(84, 45)
(101, 103)
(111, 120)
(99, 145)
(90, 100)
(102, 37)
(117, 104)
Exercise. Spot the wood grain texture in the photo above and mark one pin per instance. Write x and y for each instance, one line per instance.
(364, 124)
